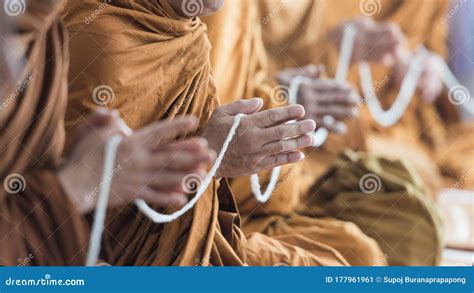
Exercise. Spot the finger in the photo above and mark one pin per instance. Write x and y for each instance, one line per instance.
(174, 180)
(288, 145)
(196, 145)
(100, 117)
(273, 117)
(286, 131)
(243, 106)
(165, 131)
(333, 126)
(180, 160)
(162, 199)
(342, 98)
(339, 113)
(280, 160)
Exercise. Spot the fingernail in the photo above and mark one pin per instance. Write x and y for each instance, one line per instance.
(309, 139)
(309, 125)
(298, 111)
(301, 156)
(257, 101)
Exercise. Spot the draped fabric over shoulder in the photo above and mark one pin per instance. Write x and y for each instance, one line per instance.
(305, 25)
(238, 59)
(39, 226)
(155, 65)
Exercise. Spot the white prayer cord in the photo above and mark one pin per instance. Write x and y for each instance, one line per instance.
(162, 218)
(347, 47)
(395, 113)
(385, 118)
(256, 189)
(321, 135)
(452, 83)
(102, 202)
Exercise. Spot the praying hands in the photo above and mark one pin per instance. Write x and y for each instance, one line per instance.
(263, 140)
(147, 165)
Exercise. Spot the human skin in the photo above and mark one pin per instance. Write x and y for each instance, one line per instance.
(148, 165)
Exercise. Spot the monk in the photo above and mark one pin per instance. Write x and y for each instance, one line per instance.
(160, 69)
(238, 59)
(44, 205)
(430, 135)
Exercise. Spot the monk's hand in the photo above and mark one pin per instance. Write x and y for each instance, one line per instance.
(430, 84)
(263, 140)
(147, 165)
(328, 103)
(285, 76)
(374, 42)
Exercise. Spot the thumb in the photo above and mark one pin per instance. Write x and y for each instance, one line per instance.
(100, 117)
(243, 106)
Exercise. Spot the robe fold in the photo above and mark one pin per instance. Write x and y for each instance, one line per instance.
(156, 65)
(387, 201)
(429, 136)
(38, 223)
(239, 63)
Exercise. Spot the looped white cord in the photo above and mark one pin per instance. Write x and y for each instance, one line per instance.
(347, 47)
(451, 82)
(321, 135)
(394, 114)
(256, 189)
(162, 218)
(102, 202)
(385, 118)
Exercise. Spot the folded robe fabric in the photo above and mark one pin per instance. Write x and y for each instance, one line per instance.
(387, 201)
(428, 136)
(157, 65)
(38, 224)
(239, 62)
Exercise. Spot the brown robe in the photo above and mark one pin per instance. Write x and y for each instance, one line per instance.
(38, 223)
(237, 41)
(157, 64)
(239, 63)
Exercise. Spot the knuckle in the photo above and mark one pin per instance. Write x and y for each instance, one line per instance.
(272, 116)
(278, 133)
(280, 147)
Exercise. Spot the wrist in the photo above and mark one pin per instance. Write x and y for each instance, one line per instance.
(68, 182)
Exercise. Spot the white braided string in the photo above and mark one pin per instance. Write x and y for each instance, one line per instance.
(321, 134)
(162, 218)
(451, 82)
(256, 189)
(397, 110)
(102, 202)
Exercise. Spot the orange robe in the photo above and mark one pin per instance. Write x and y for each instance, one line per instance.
(430, 137)
(242, 72)
(38, 223)
(156, 65)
